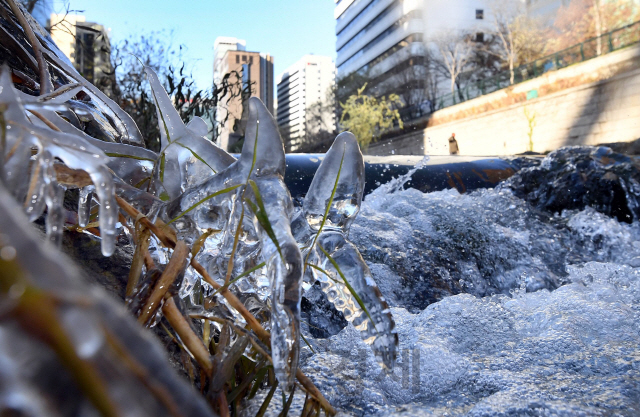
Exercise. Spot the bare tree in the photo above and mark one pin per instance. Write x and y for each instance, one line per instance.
(129, 88)
(453, 52)
(597, 11)
(520, 38)
(585, 19)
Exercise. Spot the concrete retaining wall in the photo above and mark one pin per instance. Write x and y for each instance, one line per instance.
(594, 112)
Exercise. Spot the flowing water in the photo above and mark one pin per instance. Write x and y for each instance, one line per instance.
(501, 308)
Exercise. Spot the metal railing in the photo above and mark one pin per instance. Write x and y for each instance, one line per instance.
(609, 42)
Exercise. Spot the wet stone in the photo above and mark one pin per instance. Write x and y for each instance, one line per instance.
(577, 177)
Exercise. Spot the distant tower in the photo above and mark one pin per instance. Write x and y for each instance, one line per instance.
(86, 44)
(221, 45)
(257, 71)
(300, 86)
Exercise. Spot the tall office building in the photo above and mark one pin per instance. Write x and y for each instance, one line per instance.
(303, 84)
(387, 40)
(256, 70)
(86, 44)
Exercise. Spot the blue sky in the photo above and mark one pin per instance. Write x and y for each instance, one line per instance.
(286, 29)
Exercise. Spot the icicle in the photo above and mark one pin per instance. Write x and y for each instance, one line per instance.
(84, 205)
(53, 196)
(35, 203)
(72, 149)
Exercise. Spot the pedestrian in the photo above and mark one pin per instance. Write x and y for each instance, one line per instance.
(453, 145)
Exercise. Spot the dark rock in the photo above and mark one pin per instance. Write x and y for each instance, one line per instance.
(321, 315)
(576, 177)
(627, 148)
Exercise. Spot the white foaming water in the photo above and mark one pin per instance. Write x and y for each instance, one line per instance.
(529, 349)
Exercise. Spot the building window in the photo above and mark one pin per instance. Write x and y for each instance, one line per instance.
(250, 60)
(244, 58)
(479, 14)
(237, 59)
(479, 37)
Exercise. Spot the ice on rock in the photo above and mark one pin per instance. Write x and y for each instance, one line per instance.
(331, 205)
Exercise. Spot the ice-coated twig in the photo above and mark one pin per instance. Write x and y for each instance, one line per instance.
(73, 150)
(45, 80)
(233, 300)
(176, 264)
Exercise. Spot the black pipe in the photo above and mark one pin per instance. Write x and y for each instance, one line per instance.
(439, 173)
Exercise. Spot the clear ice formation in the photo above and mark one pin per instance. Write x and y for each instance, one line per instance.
(188, 156)
(81, 321)
(321, 228)
(243, 206)
(40, 188)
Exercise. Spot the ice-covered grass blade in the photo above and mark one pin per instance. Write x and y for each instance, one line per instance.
(353, 292)
(328, 208)
(328, 275)
(267, 401)
(258, 381)
(287, 405)
(261, 214)
(195, 155)
(122, 155)
(209, 197)
(163, 161)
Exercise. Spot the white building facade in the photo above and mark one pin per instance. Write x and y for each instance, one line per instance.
(387, 39)
(301, 86)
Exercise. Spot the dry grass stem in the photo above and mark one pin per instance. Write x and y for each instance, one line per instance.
(176, 265)
(187, 335)
(143, 238)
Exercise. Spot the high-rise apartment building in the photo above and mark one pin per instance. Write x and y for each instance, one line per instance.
(386, 40)
(86, 44)
(221, 45)
(303, 85)
(256, 70)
